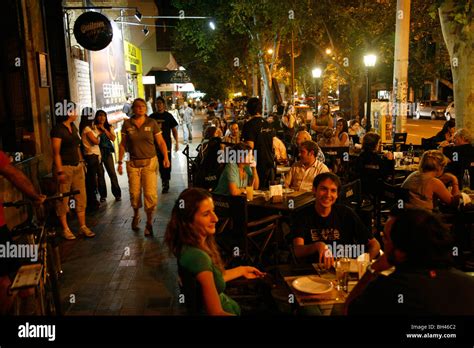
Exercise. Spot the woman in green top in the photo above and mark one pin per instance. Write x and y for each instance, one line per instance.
(239, 172)
(190, 237)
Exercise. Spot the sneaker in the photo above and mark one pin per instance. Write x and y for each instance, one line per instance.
(135, 221)
(148, 230)
(67, 234)
(87, 231)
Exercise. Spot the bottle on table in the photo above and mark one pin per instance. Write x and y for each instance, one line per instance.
(466, 179)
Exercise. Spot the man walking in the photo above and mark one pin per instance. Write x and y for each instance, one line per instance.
(168, 124)
(188, 118)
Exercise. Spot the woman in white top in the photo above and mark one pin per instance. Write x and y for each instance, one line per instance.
(91, 151)
(342, 133)
(106, 138)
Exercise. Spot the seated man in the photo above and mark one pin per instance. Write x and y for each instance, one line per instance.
(279, 148)
(302, 173)
(424, 282)
(302, 136)
(328, 226)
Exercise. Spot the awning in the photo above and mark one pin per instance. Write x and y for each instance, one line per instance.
(176, 87)
(170, 77)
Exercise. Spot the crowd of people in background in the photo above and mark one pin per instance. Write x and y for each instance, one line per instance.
(82, 156)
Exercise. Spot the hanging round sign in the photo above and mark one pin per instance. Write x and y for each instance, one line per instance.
(93, 31)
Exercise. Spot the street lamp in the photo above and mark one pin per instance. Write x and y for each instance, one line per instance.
(316, 76)
(270, 51)
(369, 62)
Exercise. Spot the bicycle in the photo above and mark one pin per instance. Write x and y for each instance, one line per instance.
(42, 275)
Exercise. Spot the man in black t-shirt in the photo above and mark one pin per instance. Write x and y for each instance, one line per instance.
(329, 230)
(168, 124)
(259, 135)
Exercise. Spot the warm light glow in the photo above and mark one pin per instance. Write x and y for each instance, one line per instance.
(328, 51)
(212, 25)
(317, 72)
(369, 60)
(270, 51)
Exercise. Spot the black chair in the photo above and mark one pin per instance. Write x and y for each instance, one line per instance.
(243, 240)
(388, 197)
(399, 139)
(351, 196)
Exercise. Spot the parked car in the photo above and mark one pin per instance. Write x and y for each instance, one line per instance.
(432, 109)
(450, 112)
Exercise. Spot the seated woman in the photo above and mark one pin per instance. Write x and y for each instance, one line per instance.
(328, 139)
(341, 135)
(239, 171)
(355, 129)
(190, 237)
(445, 136)
(429, 182)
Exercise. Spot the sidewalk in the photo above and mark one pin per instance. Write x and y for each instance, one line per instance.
(121, 272)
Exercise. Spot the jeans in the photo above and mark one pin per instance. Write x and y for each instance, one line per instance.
(265, 175)
(187, 131)
(91, 178)
(109, 165)
(165, 173)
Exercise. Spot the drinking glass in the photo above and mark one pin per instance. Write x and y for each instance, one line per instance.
(342, 266)
(249, 190)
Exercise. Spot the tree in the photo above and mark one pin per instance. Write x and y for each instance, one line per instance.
(210, 56)
(457, 24)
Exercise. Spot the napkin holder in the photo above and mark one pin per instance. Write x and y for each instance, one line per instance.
(276, 192)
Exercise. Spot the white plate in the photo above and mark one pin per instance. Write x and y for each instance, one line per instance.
(312, 285)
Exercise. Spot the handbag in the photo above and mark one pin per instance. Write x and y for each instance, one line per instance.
(140, 163)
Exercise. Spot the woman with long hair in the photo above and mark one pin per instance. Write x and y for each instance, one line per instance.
(190, 238)
(91, 151)
(323, 121)
(106, 139)
(68, 170)
(430, 182)
(342, 133)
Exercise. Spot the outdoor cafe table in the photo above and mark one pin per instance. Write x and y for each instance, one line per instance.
(293, 202)
(288, 273)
